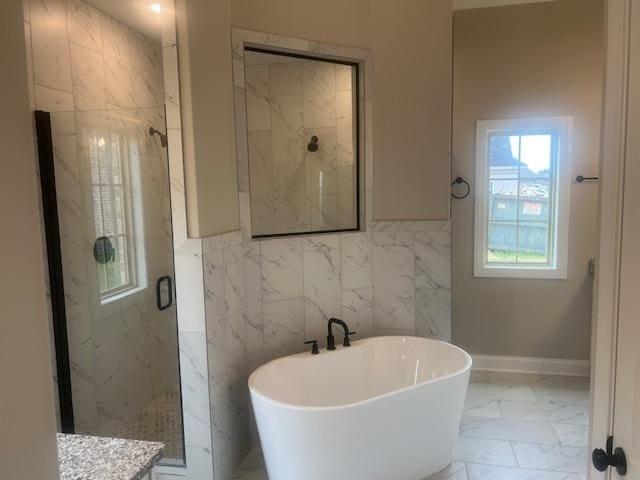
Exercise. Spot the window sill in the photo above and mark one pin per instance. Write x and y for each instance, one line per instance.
(528, 273)
(121, 295)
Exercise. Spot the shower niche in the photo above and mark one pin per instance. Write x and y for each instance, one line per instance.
(303, 143)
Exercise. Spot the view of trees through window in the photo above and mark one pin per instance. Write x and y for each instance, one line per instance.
(111, 211)
(521, 196)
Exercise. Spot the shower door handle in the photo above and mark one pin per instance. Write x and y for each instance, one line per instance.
(169, 283)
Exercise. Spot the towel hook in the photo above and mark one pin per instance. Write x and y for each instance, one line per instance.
(457, 181)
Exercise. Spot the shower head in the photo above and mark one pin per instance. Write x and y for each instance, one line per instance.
(163, 137)
(313, 144)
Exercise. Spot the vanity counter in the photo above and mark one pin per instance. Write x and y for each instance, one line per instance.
(84, 457)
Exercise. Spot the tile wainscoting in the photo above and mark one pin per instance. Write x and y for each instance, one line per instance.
(265, 298)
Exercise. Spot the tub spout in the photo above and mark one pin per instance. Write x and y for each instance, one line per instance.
(331, 341)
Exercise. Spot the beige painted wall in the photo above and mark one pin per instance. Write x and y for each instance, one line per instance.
(206, 87)
(27, 443)
(523, 61)
(411, 45)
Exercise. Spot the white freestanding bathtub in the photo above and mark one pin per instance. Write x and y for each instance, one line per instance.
(386, 408)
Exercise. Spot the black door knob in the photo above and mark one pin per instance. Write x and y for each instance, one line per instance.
(610, 458)
(600, 459)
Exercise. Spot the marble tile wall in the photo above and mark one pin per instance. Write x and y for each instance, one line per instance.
(265, 298)
(95, 75)
(288, 102)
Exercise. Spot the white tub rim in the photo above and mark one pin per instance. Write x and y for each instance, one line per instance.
(320, 408)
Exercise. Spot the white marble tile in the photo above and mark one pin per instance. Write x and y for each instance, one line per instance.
(505, 429)
(514, 378)
(237, 352)
(319, 94)
(489, 452)
(357, 311)
(393, 286)
(572, 435)
(244, 204)
(200, 461)
(87, 69)
(517, 393)
(117, 63)
(286, 116)
(403, 238)
(222, 241)
(262, 181)
(482, 407)
(551, 457)
(433, 313)
(172, 86)
(290, 150)
(52, 66)
(433, 259)
(195, 406)
(488, 472)
(356, 260)
(572, 413)
(84, 25)
(190, 293)
(322, 287)
(285, 78)
(321, 165)
(51, 100)
(234, 292)
(253, 302)
(561, 395)
(283, 327)
(216, 310)
(344, 78)
(281, 269)
(323, 212)
(147, 74)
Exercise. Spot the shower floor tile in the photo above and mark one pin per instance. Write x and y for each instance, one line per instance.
(161, 421)
(515, 427)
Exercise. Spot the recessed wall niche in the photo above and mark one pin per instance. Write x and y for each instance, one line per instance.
(302, 133)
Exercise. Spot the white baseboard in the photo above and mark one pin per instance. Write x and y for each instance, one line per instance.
(544, 366)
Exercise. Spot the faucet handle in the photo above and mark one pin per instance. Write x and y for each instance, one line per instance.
(314, 349)
(345, 341)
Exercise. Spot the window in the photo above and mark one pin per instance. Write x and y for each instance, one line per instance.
(116, 207)
(522, 202)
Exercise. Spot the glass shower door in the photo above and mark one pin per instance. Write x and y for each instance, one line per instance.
(112, 201)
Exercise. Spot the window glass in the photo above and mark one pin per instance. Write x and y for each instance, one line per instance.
(112, 211)
(520, 197)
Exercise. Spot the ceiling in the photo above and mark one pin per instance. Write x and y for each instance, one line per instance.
(135, 13)
(469, 4)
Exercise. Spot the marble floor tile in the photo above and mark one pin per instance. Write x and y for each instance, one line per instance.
(572, 435)
(477, 471)
(571, 413)
(512, 430)
(550, 457)
(481, 450)
(482, 407)
(518, 393)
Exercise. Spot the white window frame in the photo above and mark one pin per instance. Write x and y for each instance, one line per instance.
(133, 233)
(559, 210)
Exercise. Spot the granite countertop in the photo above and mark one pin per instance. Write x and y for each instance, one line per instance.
(83, 457)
